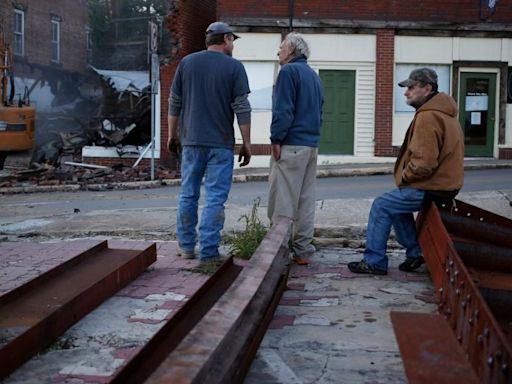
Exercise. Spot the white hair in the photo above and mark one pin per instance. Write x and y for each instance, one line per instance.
(298, 44)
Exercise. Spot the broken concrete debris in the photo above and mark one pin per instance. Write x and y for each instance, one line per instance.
(69, 173)
(119, 116)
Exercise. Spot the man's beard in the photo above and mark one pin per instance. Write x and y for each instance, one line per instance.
(415, 104)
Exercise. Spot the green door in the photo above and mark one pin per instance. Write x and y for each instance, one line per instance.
(337, 135)
(477, 111)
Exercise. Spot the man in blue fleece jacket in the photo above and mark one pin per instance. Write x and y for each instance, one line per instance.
(294, 134)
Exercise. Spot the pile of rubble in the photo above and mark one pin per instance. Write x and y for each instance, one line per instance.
(85, 175)
(118, 116)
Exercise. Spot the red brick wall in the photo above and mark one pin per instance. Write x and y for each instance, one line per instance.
(384, 92)
(391, 10)
(73, 20)
(186, 22)
(505, 154)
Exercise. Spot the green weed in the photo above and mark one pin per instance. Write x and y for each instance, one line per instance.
(245, 243)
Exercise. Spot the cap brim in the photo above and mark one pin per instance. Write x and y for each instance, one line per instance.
(407, 83)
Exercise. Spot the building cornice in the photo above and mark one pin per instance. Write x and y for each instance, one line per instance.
(277, 25)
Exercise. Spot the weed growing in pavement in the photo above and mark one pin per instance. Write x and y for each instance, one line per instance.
(245, 243)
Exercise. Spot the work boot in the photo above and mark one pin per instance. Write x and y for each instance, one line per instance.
(411, 264)
(363, 267)
(186, 254)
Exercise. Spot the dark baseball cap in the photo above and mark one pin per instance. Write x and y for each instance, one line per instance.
(420, 75)
(220, 28)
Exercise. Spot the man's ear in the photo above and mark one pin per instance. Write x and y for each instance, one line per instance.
(227, 38)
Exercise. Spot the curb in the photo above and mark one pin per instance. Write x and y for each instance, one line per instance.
(345, 236)
(237, 178)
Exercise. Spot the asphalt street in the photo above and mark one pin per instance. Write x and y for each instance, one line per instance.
(343, 204)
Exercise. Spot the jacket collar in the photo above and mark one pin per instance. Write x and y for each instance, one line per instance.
(298, 59)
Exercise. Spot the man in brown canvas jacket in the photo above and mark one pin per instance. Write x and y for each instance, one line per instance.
(429, 167)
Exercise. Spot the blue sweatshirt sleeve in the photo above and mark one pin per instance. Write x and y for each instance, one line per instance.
(283, 109)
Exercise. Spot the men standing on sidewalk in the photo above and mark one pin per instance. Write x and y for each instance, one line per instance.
(209, 88)
(429, 167)
(295, 134)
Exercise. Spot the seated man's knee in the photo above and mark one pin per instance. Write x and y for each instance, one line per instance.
(379, 203)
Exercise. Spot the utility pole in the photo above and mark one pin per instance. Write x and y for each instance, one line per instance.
(154, 80)
(291, 5)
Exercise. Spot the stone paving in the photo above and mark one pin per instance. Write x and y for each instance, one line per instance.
(330, 327)
(333, 326)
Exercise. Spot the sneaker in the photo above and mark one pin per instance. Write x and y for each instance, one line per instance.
(186, 254)
(411, 264)
(363, 267)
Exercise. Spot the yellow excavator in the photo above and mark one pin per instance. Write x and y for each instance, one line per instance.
(17, 119)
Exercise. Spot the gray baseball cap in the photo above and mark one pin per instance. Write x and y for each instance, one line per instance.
(220, 28)
(421, 75)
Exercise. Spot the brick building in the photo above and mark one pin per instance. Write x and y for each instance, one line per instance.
(49, 40)
(361, 49)
(47, 37)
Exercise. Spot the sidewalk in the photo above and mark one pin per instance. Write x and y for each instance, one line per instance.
(363, 169)
(331, 326)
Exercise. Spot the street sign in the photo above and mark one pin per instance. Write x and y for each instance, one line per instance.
(153, 37)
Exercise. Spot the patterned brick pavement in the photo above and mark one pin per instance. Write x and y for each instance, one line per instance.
(331, 325)
(98, 345)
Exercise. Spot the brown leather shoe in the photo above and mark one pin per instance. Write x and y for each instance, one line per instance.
(300, 260)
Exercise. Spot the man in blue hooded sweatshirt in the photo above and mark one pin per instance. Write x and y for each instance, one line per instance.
(295, 134)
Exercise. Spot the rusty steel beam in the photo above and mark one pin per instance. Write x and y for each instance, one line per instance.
(431, 353)
(217, 347)
(460, 299)
(483, 256)
(34, 314)
(255, 341)
(178, 326)
(491, 279)
(469, 222)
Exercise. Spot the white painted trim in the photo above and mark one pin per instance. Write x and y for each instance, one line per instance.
(364, 120)
(110, 152)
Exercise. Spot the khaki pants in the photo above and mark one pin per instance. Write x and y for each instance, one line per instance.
(292, 194)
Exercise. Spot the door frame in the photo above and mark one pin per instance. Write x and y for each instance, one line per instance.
(496, 71)
(353, 73)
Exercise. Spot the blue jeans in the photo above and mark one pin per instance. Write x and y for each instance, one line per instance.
(394, 208)
(216, 165)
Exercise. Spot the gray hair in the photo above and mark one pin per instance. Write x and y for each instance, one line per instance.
(297, 43)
